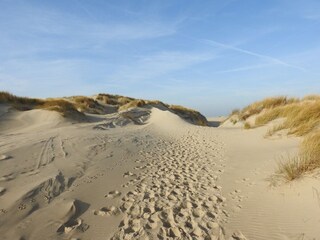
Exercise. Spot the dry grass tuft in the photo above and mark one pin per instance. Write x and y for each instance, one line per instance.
(247, 125)
(133, 104)
(76, 105)
(301, 118)
(305, 162)
(108, 99)
(291, 168)
(311, 97)
(86, 104)
(189, 114)
(274, 129)
(267, 103)
(65, 108)
(6, 97)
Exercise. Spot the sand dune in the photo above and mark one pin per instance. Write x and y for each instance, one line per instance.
(148, 175)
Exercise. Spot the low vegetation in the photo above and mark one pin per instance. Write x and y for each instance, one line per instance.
(76, 106)
(268, 103)
(132, 104)
(64, 107)
(6, 97)
(306, 161)
(189, 114)
(300, 117)
(247, 125)
(86, 104)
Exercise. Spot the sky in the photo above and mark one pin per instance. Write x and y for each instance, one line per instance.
(210, 55)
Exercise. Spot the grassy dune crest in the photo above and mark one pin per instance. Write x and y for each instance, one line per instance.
(301, 117)
(77, 106)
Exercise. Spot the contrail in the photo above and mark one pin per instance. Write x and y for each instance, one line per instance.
(272, 59)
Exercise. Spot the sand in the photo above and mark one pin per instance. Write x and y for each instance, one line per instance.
(156, 178)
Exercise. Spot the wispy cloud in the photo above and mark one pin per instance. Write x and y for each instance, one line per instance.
(159, 64)
(34, 30)
(251, 53)
(245, 68)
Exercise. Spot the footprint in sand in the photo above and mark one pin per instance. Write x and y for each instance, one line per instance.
(107, 211)
(139, 167)
(113, 194)
(128, 174)
(2, 191)
(4, 157)
(22, 206)
(69, 226)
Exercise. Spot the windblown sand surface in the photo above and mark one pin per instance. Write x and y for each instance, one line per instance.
(165, 179)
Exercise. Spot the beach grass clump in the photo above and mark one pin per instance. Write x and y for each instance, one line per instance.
(6, 97)
(307, 160)
(312, 97)
(107, 99)
(300, 118)
(267, 103)
(86, 104)
(276, 128)
(65, 108)
(303, 119)
(132, 104)
(190, 114)
(247, 125)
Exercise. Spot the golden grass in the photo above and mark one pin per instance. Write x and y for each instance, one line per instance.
(133, 104)
(247, 125)
(305, 162)
(64, 107)
(76, 105)
(6, 97)
(300, 118)
(312, 97)
(156, 102)
(266, 103)
(108, 99)
(193, 115)
(86, 104)
(124, 100)
(271, 131)
(61, 106)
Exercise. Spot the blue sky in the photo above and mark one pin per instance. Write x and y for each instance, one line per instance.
(209, 55)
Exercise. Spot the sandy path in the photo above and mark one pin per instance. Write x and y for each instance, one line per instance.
(137, 182)
(176, 195)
